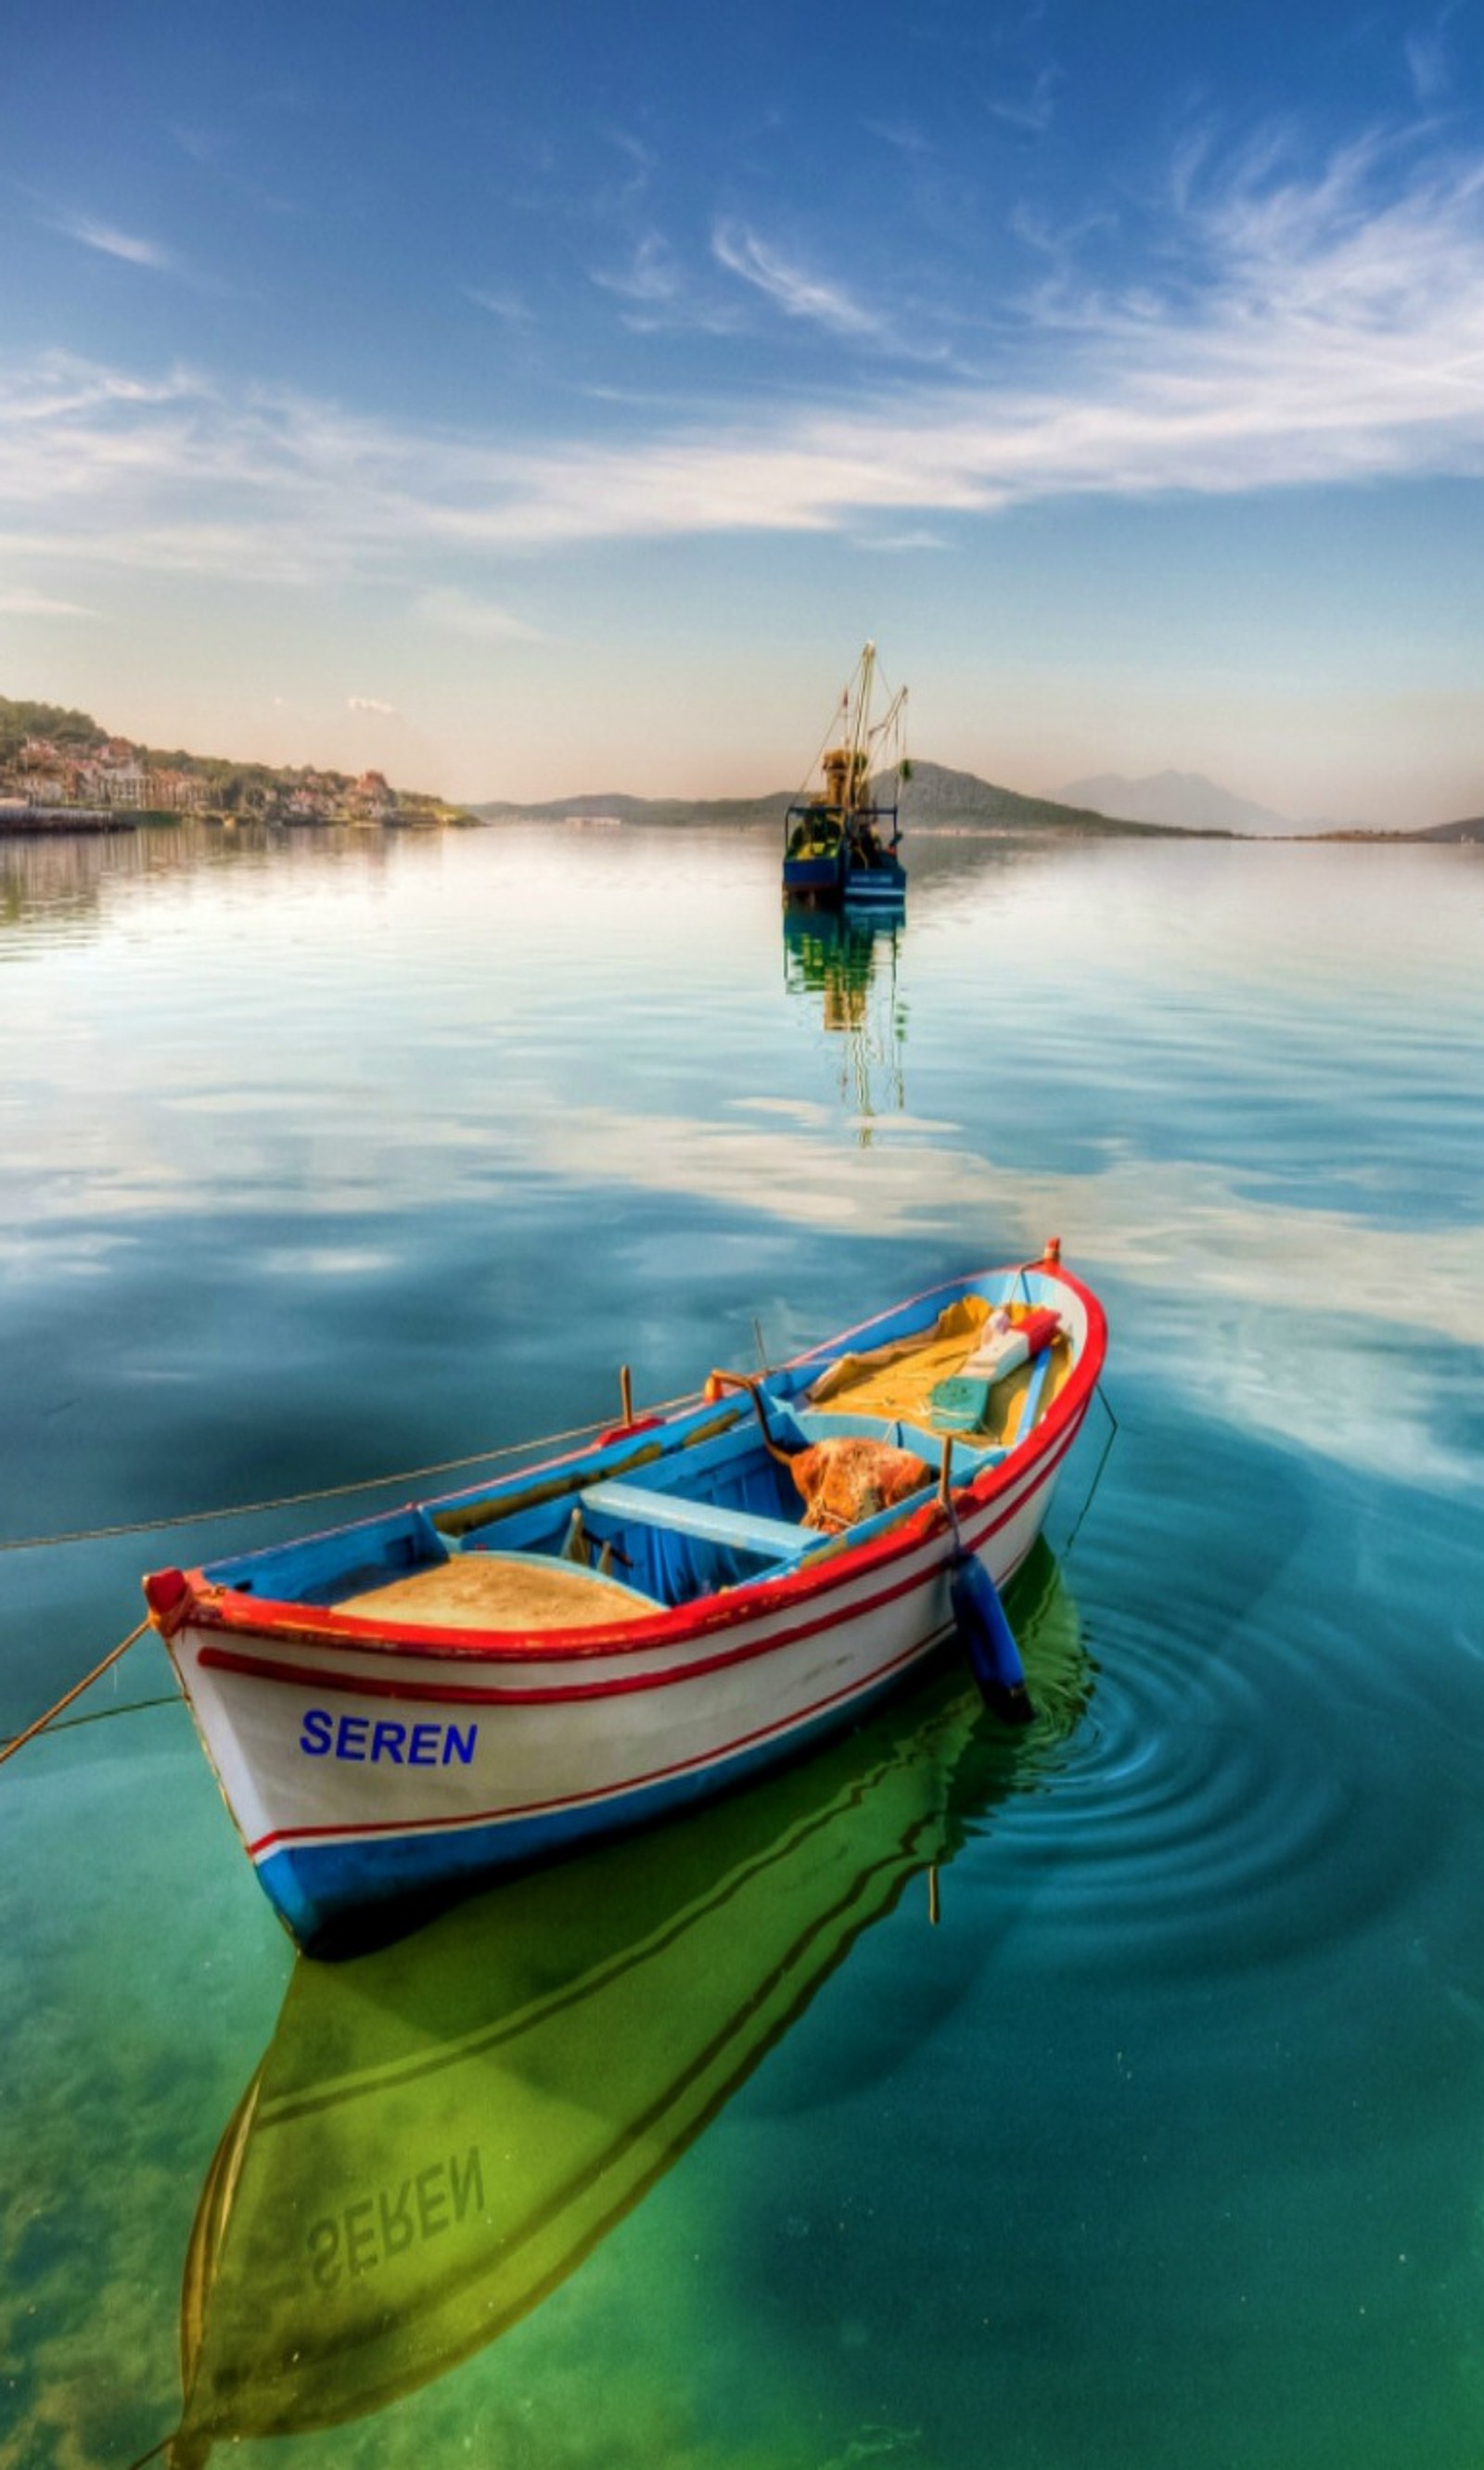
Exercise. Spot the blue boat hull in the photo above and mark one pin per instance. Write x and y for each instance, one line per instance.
(811, 878)
(828, 884)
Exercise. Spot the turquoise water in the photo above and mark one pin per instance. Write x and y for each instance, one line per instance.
(330, 1158)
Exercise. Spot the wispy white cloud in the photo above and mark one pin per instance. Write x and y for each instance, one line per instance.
(110, 241)
(62, 388)
(372, 704)
(1293, 329)
(790, 287)
(505, 304)
(649, 276)
(659, 294)
(642, 160)
(456, 612)
(906, 138)
(1033, 108)
(899, 544)
(1427, 59)
(219, 155)
(17, 602)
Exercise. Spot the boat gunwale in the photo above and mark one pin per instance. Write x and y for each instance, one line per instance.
(468, 1692)
(208, 1606)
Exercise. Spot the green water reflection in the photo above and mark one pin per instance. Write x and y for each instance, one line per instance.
(439, 2134)
(850, 965)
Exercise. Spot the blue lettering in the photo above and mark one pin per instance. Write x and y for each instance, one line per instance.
(368, 1742)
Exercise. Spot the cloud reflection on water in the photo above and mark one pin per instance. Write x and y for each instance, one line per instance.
(1252, 1288)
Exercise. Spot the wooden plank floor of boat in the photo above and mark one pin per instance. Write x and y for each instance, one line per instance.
(502, 1591)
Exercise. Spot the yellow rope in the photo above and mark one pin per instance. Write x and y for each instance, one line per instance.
(329, 1492)
(86, 1683)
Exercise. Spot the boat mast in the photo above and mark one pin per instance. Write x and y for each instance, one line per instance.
(870, 743)
(846, 764)
(860, 747)
(860, 736)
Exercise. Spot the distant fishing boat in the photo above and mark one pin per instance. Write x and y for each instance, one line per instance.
(400, 1705)
(840, 841)
(441, 2132)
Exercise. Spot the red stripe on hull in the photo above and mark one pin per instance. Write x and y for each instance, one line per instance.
(511, 1811)
(463, 1694)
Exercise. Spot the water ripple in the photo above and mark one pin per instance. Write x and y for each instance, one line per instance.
(1198, 1809)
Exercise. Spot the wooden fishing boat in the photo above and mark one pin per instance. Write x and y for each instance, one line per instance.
(440, 2132)
(840, 841)
(592, 1642)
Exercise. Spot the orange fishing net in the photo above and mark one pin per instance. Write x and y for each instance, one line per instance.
(846, 1481)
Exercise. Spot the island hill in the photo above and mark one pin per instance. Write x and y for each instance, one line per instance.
(933, 798)
(60, 770)
(936, 799)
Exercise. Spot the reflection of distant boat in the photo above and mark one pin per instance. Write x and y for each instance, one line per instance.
(839, 845)
(438, 2134)
(848, 960)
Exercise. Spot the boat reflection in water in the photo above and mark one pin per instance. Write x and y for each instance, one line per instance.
(440, 2132)
(849, 961)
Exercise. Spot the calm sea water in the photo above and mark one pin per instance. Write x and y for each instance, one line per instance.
(331, 1158)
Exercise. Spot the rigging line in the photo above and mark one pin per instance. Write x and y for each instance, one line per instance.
(1107, 1448)
(326, 1492)
(76, 1691)
(110, 1715)
(156, 2450)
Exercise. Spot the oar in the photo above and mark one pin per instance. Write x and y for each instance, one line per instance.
(980, 1619)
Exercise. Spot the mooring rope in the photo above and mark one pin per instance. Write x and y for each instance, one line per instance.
(329, 1491)
(76, 1691)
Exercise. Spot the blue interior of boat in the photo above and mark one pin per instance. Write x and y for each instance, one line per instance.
(670, 1523)
(672, 1511)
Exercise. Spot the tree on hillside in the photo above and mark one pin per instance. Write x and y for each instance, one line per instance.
(18, 721)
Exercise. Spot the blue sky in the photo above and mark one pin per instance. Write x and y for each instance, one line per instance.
(528, 402)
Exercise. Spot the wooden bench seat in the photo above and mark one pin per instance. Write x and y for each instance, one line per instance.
(772, 1538)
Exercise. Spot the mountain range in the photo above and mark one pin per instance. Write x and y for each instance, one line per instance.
(933, 794)
(1187, 802)
(1184, 804)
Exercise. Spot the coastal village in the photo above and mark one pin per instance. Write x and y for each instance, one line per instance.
(59, 771)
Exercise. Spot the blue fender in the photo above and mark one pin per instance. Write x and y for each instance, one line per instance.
(979, 1617)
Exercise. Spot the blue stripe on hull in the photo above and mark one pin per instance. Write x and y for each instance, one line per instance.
(860, 892)
(315, 1888)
